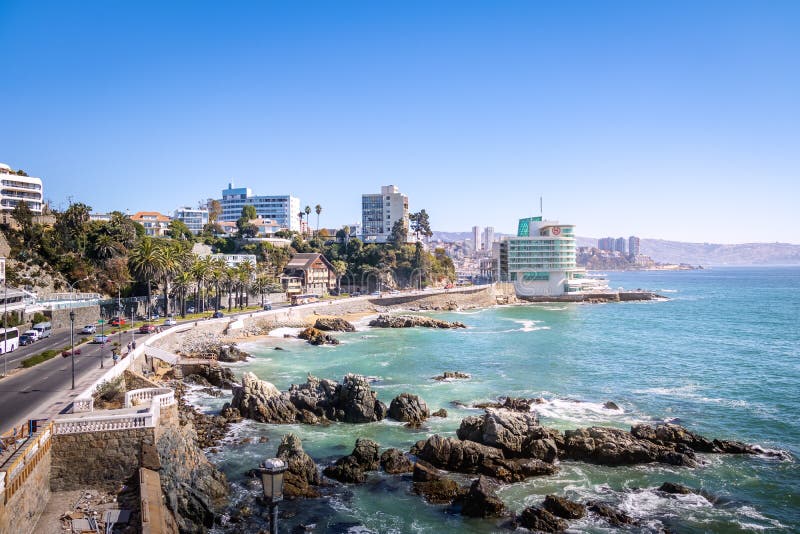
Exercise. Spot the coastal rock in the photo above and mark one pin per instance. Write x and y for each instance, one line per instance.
(410, 321)
(562, 507)
(612, 446)
(615, 518)
(352, 468)
(230, 414)
(231, 353)
(440, 491)
(517, 434)
(424, 472)
(333, 324)
(509, 403)
(408, 408)
(441, 412)
(452, 375)
(394, 462)
(221, 377)
(540, 520)
(317, 337)
(481, 500)
(675, 488)
(678, 438)
(609, 405)
(302, 474)
(261, 401)
(357, 402)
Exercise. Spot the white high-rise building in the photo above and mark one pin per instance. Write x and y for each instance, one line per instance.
(476, 238)
(488, 238)
(194, 218)
(379, 212)
(281, 208)
(17, 187)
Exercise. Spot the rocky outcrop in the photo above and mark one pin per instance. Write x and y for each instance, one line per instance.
(540, 520)
(481, 500)
(517, 434)
(221, 377)
(441, 412)
(433, 485)
(470, 457)
(410, 321)
(394, 462)
(675, 488)
(612, 446)
(673, 436)
(302, 476)
(408, 408)
(231, 353)
(452, 375)
(509, 403)
(561, 507)
(352, 468)
(615, 518)
(333, 324)
(316, 401)
(317, 337)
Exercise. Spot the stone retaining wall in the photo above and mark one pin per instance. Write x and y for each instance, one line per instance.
(83, 315)
(22, 510)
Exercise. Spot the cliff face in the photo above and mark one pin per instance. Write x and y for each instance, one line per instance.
(193, 487)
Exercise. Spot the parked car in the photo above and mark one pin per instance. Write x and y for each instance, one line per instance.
(170, 322)
(267, 306)
(218, 314)
(376, 293)
(147, 328)
(190, 309)
(394, 292)
(32, 333)
(117, 321)
(99, 338)
(68, 353)
(154, 316)
(89, 329)
(25, 339)
(355, 294)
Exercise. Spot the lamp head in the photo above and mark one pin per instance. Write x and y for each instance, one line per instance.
(272, 471)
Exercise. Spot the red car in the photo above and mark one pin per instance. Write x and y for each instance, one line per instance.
(147, 328)
(67, 353)
(117, 321)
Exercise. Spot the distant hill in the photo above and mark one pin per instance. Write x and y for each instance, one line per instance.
(663, 251)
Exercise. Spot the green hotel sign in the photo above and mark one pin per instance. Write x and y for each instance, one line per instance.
(524, 227)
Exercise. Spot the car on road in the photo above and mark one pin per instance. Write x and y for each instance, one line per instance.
(89, 329)
(25, 339)
(376, 293)
(147, 329)
(355, 294)
(100, 338)
(68, 353)
(154, 316)
(117, 321)
(267, 306)
(218, 315)
(33, 334)
(190, 309)
(170, 322)
(394, 292)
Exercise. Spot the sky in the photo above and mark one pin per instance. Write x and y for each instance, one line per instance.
(676, 120)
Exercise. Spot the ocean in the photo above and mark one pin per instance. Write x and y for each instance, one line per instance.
(720, 357)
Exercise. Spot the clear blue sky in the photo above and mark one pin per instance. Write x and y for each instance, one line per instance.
(676, 120)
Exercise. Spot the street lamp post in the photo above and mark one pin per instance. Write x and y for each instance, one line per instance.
(72, 343)
(5, 326)
(102, 336)
(272, 482)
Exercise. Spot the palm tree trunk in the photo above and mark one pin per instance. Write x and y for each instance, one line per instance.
(147, 308)
(166, 296)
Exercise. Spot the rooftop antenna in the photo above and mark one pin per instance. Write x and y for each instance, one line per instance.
(541, 212)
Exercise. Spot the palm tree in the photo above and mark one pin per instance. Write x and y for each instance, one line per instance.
(106, 247)
(308, 212)
(217, 276)
(245, 272)
(200, 271)
(301, 220)
(171, 263)
(230, 279)
(182, 282)
(261, 284)
(146, 262)
(318, 209)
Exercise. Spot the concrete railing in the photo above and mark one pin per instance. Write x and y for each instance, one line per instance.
(20, 466)
(166, 396)
(103, 423)
(161, 354)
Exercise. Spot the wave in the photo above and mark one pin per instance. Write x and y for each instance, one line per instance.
(580, 412)
(283, 331)
(668, 290)
(689, 392)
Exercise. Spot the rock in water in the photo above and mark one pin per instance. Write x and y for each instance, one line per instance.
(673, 436)
(675, 488)
(261, 401)
(609, 405)
(425, 472)
(452, 375)
(562, 507)
(410, 321)
(408, 408)
(317, 337)
(539, 519)
(302, 473)
(614, 517)
(612, 446)
(441, 412)
(333, 324)
(481, 500)
(357, 402)
(517, 434)
(440, 491)
(351, 468)
(395, 462)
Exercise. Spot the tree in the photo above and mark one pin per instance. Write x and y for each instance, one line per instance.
(182, 283)
(307, 211)
(245, 272)
(420, 224)
(105, 247)
(399, 234)
(318, 209)
(200, 270)
(214, 211)
(249, 211)
(179, 230)
(146, 262)
(340, 268)
(170, 266)
(23, 215)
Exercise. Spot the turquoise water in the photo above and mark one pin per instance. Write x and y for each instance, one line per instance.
(720, 357)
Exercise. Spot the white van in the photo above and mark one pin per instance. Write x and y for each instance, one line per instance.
(44, 329)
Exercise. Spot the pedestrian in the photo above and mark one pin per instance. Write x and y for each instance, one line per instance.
(133, 344)
(115, 357)
(129, 346)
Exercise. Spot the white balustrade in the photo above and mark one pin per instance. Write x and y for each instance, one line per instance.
(83, 405)
(33, 449)
(138, 396)
(102, 424)
(2, 483)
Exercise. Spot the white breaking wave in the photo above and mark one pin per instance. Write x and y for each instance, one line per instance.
(282, 331)
(579, 411)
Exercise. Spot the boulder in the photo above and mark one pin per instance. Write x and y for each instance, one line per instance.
(452, 375)
(408, 408)
(539, 519)
(352, 468)
(562, 507)
(481, 500)
(357, 402)
(675, 488)
(394, 462)
(613, 517)
(302, 474)
(333, 324)
(317, 337)
(410, 321)
(612, 446)
(425, 472)
(670, 435)
(440, 491)
(366, 454)
(441, 412)
(231, 353)
(517, 434)
(261, 401)
(609, 405)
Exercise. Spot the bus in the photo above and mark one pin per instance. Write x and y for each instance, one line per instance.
(9, 340)
(304, 299)
(44, 329)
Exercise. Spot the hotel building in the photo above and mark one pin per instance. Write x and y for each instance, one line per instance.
(379, 212)
(194, 218)
(281, 208)
(17, 187)
(540, 260)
